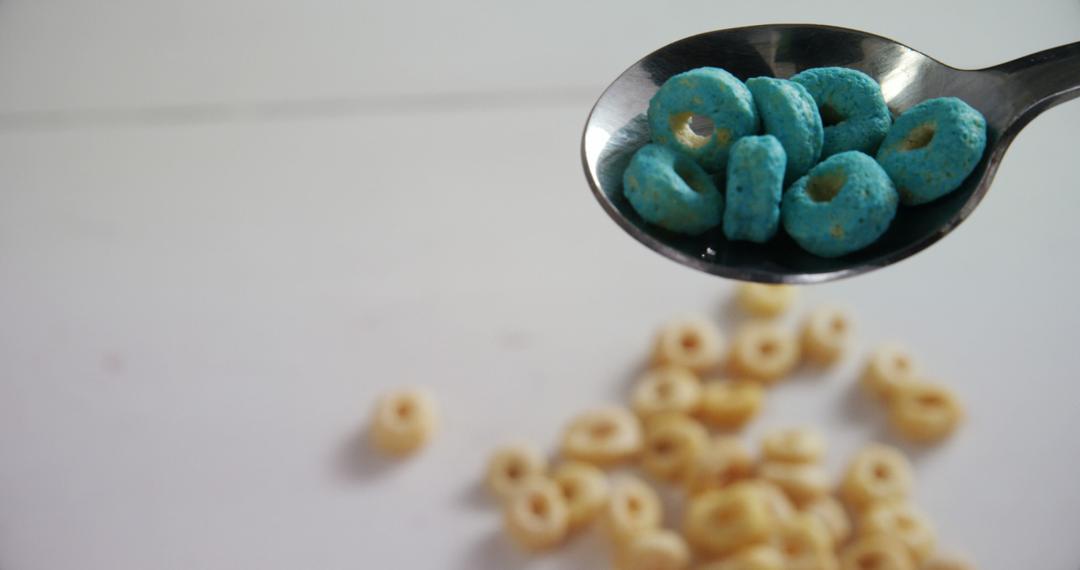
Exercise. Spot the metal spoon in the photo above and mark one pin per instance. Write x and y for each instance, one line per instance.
(1009, 95)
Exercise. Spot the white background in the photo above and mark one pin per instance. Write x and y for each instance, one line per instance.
(226, 226)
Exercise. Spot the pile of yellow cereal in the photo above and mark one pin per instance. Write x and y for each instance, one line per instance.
(779, 511)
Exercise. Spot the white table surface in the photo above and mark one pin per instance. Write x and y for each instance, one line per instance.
(226, 226)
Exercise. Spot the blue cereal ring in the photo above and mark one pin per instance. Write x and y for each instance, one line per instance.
(789, 114)
(755, 183)
(670, 190)
(932, 148)
(842, 205)
(710, 92)
(851, 107)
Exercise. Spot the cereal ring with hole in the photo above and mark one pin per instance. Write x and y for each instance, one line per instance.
(761, 300)
(904, 522)
(670, 190)
(730, 403)
(950, 561)
(724, 461)
(707, 92)
(511, 466)
(584, 488)
(723, 521)
(673, 445)
(932, 148)
(755, 183)
(603, 437)
(802, 482)
(690, 342)
(793, 445)
(925, 412)
(758, 557)
(790, 114)
(633, 508)
(536, 517)
(842, 205)
(851, 107)
(654, 550)
(764, 351)
(876, 552)
(667, 389)
(403, 421)
(826, 334)
(777, 504)
(833, 515)
(806, 544)
(878, 473)
(889, 367)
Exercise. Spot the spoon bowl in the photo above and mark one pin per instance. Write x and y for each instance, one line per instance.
(1008, 95)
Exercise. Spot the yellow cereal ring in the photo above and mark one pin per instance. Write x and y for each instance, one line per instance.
(878, 473)
(511, 466)
(536, 516)
(724, 461)
(403, 421)
(904, 522)
(793, 445)
(763, 300)
(826, 334)
(758, 557)
(673, 446)
(584, 488)
(779, 506)
(805, 543)
(889, 366)
(690, 342)
(833, 515)
(764, 351)
(730, 403)
(802, 482)
(925, 412)
(667, 389)
(654, 550)
(633, 508)
(603, 437)
(875, 552)
(723, 521)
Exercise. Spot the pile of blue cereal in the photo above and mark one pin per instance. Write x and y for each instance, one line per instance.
(830, 165)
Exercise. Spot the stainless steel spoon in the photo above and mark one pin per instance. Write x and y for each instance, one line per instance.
(1009, 95)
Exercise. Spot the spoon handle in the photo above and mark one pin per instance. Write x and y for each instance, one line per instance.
(1041, 80)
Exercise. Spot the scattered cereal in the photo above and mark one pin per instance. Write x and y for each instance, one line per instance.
(403, 421)
(731, 403)
(633, 508)
(764, 351)
(584, 488)
(604, 437)
(511, 466)
(925, 412)
(673, 446)
(761, 300)
(537, 516)
(655, 550)
(690, 342)
(667, 389)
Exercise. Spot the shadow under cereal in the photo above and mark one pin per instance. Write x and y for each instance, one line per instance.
(356, 460)
(494, 551)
